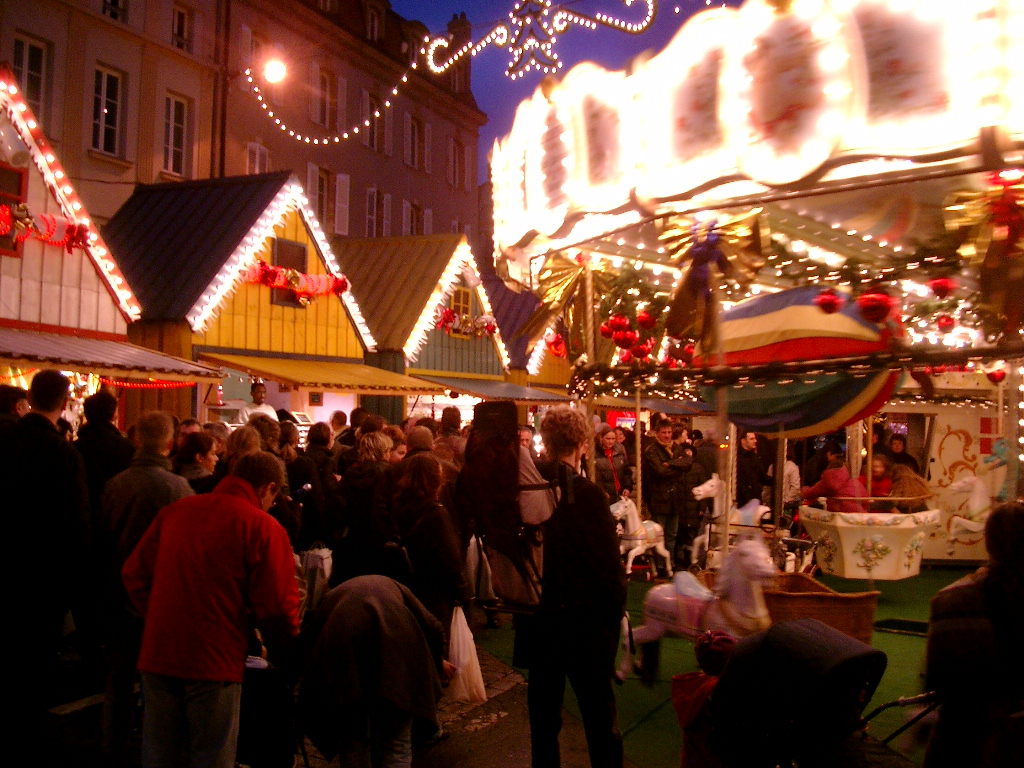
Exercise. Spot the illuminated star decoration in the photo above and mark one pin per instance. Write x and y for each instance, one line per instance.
(530, 34)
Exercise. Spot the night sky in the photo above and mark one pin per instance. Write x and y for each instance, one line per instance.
(498, 96)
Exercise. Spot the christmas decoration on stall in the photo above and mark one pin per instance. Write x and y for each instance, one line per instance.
(45, 227)
(555, 343)
(451, 322)
(829, 302)
(634, 313)
(875, 305)
(148, 384)
(734, 247)
(530, 35)
(304, 286)
(990, 228)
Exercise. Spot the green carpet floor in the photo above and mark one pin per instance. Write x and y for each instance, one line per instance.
(648, 722)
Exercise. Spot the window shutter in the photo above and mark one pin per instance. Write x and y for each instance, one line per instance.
(428, 222)
(342, 104)
(371, 212)
(251, 158)
(389, 141)
(342, 191)
(427, 141)
(467, 166)
(407, 132)
(451, 161)
(365, 112)
(246, 47)
(406, 218)
(312, 182)
(385, 228)
(455, 226)
(314, 92)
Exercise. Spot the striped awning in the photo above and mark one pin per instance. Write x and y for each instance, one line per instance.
(102, 357)
(356, 378)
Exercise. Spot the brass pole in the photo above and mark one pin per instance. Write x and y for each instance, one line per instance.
(591, 342)
(780, 470)
(870, 421)
(638, 486)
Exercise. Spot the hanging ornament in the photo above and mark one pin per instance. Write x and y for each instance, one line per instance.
(829, 302)
(618, 323)
(626, 357)
(943, 286)
(997, 376)
(304, 286)
(945, 323)
(556, 344)
(646, 320)
(625, 339)
(875, 306)
(606, 330)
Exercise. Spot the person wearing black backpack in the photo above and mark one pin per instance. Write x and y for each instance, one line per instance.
(575, 632)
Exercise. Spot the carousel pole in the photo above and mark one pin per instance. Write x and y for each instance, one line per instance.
(638, 485)
(725, 451)
(870, 421)
(780, 469)
(588, 331)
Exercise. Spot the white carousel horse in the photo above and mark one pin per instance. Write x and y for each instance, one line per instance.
(709, 489)
(737, 605)
(966, 529)
(638, 536)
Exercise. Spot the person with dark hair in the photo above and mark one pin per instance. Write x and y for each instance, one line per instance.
(186, 427)
(220, 432)
(13, 404)
(429, 423)
(338, 424)
(242, 441)
(416, 520)
(898, 453)
(836, 484)
(208, 569)
(347, 438)
(662, 495)
(705, 451)
(105, 451)
(612, 466)
(269, 431)
(130, 502)
(575, 634)
(196, 457)
(973, 659)
(399, 445)
(751, 473)
(347, 457)
(47, 498)
(363, 486)
(420, 440)
(319, 442)
(449, 445)
(258, 392)
(305, 486)
(376, 665)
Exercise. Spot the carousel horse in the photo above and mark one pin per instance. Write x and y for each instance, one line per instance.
(638, 536)
(687, 609)
(967, 529)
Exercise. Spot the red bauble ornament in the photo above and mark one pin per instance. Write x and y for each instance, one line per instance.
(945, 323)
(690, 349)
(626, 358)
(625, 339)
(943, 286)
(996, 376)
(646, 320)
(619, 323)
(606, 330)
(829, 302)
(640, 351)
(875, 307)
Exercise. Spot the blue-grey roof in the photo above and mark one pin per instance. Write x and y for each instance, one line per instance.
(171, 240)
(511, 310)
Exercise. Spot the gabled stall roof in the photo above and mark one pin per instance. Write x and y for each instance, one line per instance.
(401, 281)
(183, 245)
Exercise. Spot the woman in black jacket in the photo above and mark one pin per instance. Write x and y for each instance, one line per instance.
(613, 471)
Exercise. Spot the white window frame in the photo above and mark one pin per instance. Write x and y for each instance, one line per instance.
(385, 226)
(342, 202)
(22, 73)
(99, 123)
(181, 35)
(374, 24)
(177, 138)
(323, 181)
(427, 141)
(371, 211)
(257, 158)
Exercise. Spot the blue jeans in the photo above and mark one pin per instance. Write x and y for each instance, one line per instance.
(190, 723)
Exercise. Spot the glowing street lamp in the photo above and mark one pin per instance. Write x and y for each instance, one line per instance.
(274, 71)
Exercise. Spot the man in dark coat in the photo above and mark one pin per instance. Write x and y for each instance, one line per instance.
(662, 496)
(751, 474)
(691, 511)
(47, 499)
(376, 663)
(104, 449)
(131, 501)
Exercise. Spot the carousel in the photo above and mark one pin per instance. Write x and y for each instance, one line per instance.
(799, 215)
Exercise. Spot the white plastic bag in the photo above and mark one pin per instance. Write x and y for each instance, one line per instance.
(468, 683)
(317, 562)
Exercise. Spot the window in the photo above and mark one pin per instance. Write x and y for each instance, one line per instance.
(342, 191)
(373, 124)
(375, 212)
(457, 86)
(176, 138)
(116, 9)
(323, 183)
(106, 114)
(324, 95)
(181, 28)
(327, 6)
(290, 255)
(414, 133)
(13, 186)
(462, 304)
(257, 158)
(373, 24)
(30, 71)
(456, 163)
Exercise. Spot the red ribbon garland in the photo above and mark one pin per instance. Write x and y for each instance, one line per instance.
(75, 235)
(299, 282)
(147, 384)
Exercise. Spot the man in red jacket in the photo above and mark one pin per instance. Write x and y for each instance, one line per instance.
(208, 568)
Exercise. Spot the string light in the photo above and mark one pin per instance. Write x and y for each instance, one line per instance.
(530, 35)
(31, 135)
(150, 384)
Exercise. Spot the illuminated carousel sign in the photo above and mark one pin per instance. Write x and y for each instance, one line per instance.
(780, 93)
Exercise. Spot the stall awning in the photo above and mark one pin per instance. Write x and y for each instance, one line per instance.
(490, 389)
(103, 357)
(658, 404)
(356, 378)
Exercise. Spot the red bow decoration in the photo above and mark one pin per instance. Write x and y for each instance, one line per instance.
(302, 284)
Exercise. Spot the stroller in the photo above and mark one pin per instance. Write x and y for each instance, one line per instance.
(730, 721)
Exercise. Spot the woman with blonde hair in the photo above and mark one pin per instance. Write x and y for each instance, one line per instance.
(241, 442)
(364, 485)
